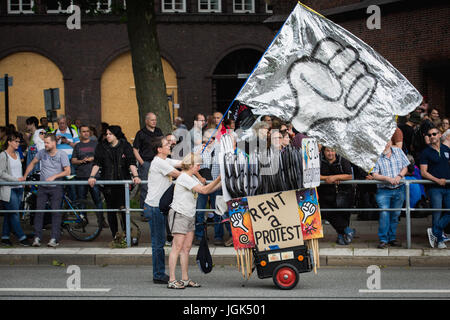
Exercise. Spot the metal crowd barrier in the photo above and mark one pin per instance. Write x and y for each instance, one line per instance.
(128, 210)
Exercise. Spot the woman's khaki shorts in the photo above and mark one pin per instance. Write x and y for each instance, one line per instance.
(182, 223)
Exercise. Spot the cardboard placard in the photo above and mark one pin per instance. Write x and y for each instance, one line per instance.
(241, 224)
(309, 210)
(311, 163)
(275, 221)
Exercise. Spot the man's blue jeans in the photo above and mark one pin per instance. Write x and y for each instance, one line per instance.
(82, 191)
(202, 200)
(440, 225)
(157, 223)
(388, 221)
(12, 219)
(438, 196)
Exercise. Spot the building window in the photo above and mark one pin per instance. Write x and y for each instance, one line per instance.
(104, 5)
(20, 6)
(269, 8)
(61, 6)
(244, 6)
(209, 6)
(173, 6)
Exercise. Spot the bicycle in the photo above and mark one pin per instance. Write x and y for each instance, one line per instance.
(81, 225)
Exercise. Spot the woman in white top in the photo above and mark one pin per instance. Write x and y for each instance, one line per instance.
(11, 196)
(182, 218)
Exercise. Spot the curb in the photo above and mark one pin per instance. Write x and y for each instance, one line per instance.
(340, 257)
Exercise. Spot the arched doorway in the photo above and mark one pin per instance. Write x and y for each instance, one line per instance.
(31, 73)
(230, 75)
(118, 93)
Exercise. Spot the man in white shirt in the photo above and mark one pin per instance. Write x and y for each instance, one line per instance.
(162, 170)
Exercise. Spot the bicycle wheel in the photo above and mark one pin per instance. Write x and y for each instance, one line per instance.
(85, 225)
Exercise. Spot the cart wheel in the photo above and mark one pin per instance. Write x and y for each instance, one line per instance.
(285, 276)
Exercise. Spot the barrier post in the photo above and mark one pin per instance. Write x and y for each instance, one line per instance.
(127, 214)
(408, 216)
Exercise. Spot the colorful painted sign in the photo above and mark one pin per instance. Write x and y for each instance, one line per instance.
(241, 224)
(309, 210)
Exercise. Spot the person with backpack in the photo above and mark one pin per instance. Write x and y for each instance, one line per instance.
(182, 218)
(115, 158)
(162, 171)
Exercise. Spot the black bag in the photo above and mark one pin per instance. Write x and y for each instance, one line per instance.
(204, 259)
(166, 200)
(206, 172)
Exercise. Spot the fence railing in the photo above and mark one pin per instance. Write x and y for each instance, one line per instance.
(126, 183)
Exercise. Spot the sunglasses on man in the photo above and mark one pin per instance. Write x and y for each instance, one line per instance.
(434, 134)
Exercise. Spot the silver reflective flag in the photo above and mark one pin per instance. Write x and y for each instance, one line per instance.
(331, 86)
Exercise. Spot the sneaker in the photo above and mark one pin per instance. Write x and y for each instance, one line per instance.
(6, 242)
(395, 243)
(350, 233)
(229, 242)
(196, 242)
(36, 242)
(341, 240)
(52, 243)
(441, 245)
(164, 280)
(382, 245)
(445, 237)
(25, 243)
(431, 237)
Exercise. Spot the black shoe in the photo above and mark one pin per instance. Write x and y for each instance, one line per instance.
(395, 243)
(25, 243)
(6, 242)
(165, 280)
(382, 245)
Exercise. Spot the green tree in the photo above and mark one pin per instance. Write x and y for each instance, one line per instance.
(146, 60)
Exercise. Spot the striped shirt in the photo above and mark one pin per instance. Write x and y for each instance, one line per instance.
(392, 166)
(209, 161)
(66, 147)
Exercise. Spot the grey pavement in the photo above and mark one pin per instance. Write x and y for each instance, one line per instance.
(362, 251)
(225, 282)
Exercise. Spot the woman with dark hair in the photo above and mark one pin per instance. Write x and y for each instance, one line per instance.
(116, 159)
(11, 196)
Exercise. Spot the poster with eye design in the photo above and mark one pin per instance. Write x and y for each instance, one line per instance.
(241, 224)
(309, 210)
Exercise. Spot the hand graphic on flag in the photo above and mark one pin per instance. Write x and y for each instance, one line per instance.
(332, 77)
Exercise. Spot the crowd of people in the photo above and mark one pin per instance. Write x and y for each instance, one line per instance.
(418, 149)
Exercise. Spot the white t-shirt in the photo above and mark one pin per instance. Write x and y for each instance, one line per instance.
(158, 179)
(184, 199)
(16, 168)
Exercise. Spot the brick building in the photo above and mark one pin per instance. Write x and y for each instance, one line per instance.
(208, 48)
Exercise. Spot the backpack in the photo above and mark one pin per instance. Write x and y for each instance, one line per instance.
(166, 200)
(204, 259)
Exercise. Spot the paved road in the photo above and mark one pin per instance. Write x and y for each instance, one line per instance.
(135, 282)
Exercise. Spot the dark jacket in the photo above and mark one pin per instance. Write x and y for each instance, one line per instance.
(115, 161)
(327, 192)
